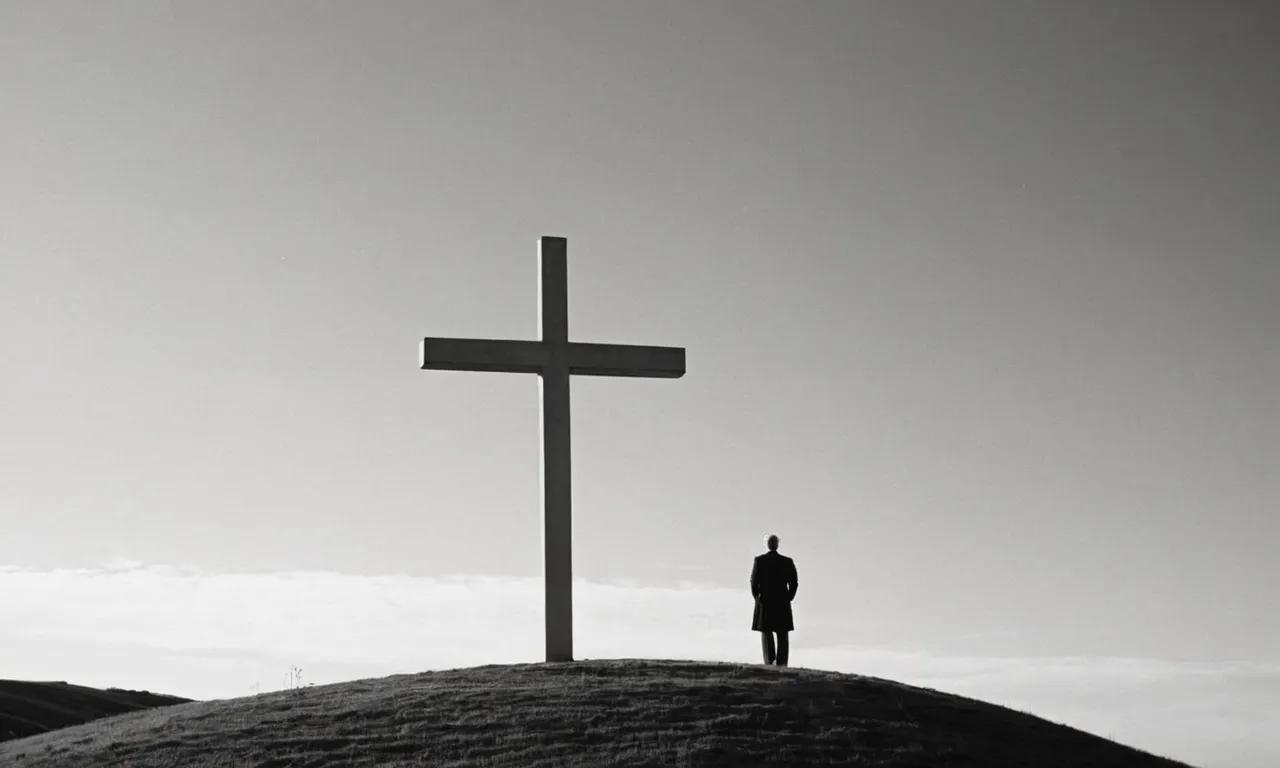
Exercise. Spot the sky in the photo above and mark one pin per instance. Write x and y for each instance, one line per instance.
(977, 300)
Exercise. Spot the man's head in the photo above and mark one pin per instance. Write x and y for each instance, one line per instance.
(772, 543)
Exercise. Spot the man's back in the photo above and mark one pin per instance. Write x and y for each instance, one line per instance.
(773, 576)
(773, 585)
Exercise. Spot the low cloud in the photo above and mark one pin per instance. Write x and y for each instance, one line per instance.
(178, 629)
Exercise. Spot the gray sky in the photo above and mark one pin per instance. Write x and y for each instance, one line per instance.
(977, 297)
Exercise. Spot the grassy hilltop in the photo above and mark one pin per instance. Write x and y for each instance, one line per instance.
(589, 713)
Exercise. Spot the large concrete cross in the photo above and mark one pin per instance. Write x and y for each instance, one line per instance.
(553, 357)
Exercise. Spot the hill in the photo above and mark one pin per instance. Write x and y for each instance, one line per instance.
(589, 713)
(29, 708)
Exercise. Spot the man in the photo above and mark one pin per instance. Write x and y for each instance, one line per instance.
(773, 585)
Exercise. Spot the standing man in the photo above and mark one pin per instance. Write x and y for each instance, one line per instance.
(773, 585)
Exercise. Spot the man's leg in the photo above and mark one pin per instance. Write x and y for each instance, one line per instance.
(766, 645)
(784, 648)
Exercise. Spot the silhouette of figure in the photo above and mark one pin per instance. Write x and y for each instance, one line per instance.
(773, 585)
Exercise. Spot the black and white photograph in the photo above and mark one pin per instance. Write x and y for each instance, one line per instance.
(598, 383)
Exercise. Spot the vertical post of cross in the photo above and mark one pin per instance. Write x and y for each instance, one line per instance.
(557, 479)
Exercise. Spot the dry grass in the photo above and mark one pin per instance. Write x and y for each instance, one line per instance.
(596, 713)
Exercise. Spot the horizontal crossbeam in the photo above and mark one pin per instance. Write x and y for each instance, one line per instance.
(626, 360)
(583, 359)
(493, 355)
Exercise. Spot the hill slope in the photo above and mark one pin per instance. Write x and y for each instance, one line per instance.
(594, 713)
(28, 708)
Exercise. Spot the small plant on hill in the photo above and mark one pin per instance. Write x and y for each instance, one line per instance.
(293, 680)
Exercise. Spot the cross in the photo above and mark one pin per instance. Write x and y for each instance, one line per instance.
(553, 357)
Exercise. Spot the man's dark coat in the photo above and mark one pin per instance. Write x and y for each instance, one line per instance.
(773, 585)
